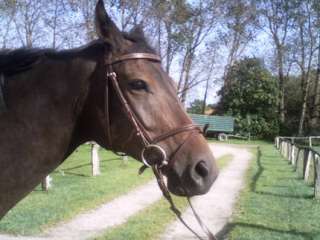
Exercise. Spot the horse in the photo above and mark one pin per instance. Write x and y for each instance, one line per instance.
(113, 91)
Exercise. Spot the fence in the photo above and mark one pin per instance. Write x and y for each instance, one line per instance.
(304, 159)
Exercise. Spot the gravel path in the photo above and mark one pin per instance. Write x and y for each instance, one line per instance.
(218, 202)
(95, 222)
(215, 208)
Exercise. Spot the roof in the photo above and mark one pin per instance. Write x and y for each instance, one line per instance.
(216, 123)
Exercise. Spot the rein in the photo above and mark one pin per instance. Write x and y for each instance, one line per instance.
(151, 144)
(3, 106)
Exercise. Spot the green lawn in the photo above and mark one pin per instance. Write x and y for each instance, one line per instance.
(152, 221)
(317, 148)
(74, 191)
(240, 142)
(275, 204)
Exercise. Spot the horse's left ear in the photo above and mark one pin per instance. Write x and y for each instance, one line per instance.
(137, 32)
(106, 28)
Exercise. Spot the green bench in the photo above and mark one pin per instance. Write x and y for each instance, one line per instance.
(218, 124)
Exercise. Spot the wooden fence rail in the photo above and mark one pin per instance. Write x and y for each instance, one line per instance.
(305, 160)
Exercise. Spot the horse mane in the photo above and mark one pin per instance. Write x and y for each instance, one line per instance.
(23, 59)
(15, 61)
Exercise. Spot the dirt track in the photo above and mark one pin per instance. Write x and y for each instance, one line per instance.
(215, 208)
(218, 202)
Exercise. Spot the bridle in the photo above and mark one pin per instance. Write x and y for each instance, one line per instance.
(150, 144)
(3, 105)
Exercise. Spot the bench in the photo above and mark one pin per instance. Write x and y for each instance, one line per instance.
(218, 124)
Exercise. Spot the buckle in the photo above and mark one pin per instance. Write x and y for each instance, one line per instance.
(111, 74)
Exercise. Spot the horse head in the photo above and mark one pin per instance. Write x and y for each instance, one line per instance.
(156, 125)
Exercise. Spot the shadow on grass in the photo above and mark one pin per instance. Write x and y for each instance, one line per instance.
(302, 196)
(88, 164)
(223, 233)
(68, 171)
(257, 175)
(255, 178)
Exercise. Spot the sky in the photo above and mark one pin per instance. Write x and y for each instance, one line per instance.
(257, 48)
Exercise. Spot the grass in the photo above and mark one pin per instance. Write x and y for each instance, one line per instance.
(240, 142)
(74, 190)
(275, 204)
(152, 221)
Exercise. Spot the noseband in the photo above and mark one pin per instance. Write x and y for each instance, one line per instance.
(150, 145)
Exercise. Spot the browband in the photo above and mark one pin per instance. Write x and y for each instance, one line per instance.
(133, 56)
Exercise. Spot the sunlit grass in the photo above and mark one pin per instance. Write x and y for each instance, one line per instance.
(74, 190)
(276, 204)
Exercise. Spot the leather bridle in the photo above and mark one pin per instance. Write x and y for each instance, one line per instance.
(150, 145)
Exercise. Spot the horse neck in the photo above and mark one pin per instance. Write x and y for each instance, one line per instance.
(37, 131)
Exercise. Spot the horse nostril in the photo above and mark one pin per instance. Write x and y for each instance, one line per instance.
(202, 169)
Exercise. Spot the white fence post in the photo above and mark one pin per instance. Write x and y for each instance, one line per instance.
(277, 142)
(287, 150)
(125, 159)
(292, 154)
(310, 141)
(95, 160)
(46, 183)
(309, 168)
(296, 153)
(317, 177)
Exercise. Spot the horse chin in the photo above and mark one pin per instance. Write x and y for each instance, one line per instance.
(176, 190)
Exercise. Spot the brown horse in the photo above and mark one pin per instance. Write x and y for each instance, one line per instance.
(56, 101)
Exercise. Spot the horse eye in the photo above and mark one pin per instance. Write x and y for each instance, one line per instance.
(138, 85)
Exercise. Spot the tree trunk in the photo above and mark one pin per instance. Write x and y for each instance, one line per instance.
(159, 37)
(182, 72)
(306, 85)
(169, 48)
(281, 85)
(207, 89)
(204, 104)
(186, 79)
(315, 123)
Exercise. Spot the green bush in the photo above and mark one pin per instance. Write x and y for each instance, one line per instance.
(251, 97)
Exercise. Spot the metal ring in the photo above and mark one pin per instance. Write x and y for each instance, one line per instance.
(161, 150)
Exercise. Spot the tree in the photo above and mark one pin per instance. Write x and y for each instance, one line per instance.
(315, 120)
(293, 103)
(26, 16)
(7, 14)
(305, 48)
(252, 98)
(276, 15)
(240, 19)
(197, 29)
(86, 10)
(196, 107)
(170, 17)
(56, 22)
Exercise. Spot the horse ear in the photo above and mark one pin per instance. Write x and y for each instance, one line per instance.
(137, 32)
(105, 27)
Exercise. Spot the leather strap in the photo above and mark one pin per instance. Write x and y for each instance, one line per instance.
(107, 113)
(176, 211)
(134, 56)
(176, 131)
(3, 105)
